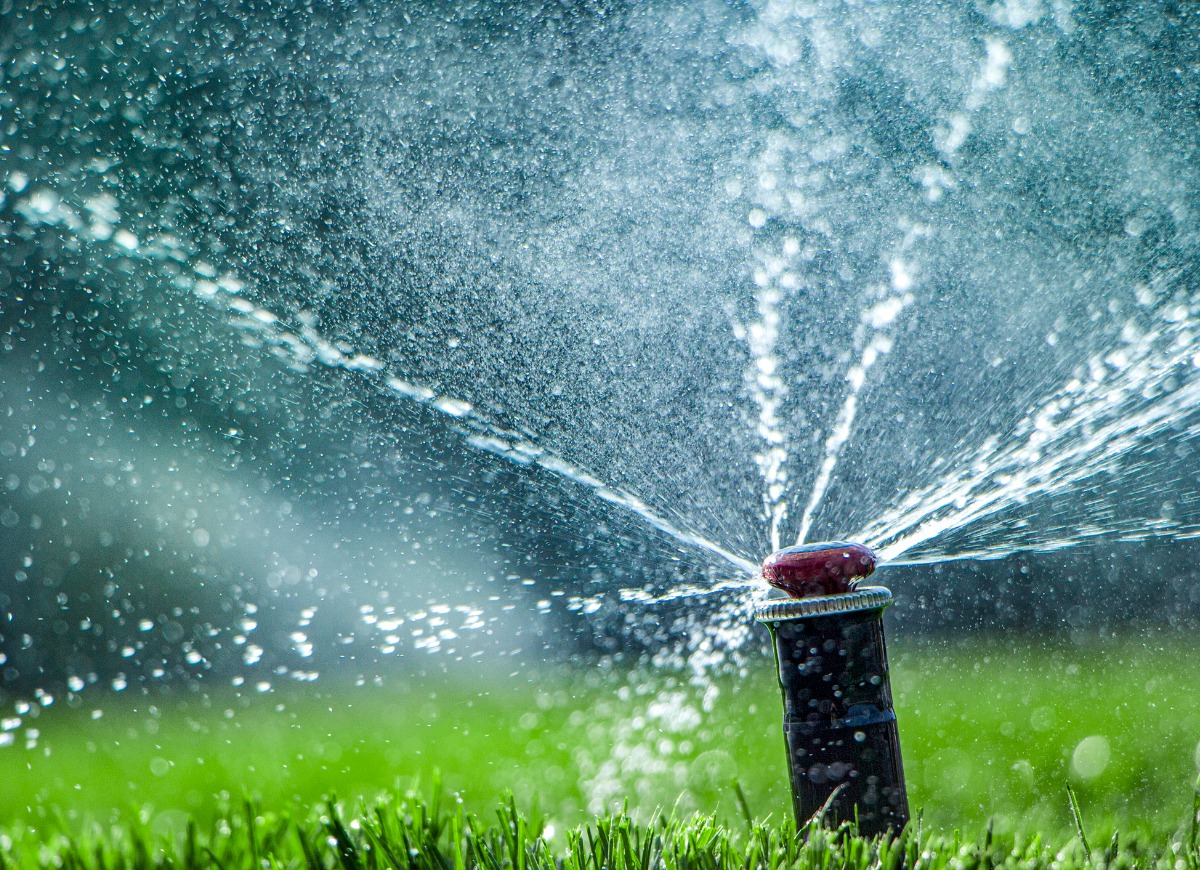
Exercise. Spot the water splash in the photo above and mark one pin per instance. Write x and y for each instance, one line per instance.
(691, 590)
(1118, 402)
(880, 318)
(300, 345)
(1057, 539)
(772, 279)
(877, 320)
(836, 86)
(518, 449)
(303, 344)
(939, 178)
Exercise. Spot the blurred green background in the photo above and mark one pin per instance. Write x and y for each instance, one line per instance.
(990, 730)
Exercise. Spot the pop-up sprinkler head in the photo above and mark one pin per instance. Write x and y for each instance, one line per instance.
(818, 569)
(838, 721)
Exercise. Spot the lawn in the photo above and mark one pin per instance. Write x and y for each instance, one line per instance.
(991, 730)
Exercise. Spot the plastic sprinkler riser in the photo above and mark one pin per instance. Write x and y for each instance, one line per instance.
(842, 743)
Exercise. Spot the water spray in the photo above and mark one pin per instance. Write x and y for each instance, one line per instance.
(838, 722)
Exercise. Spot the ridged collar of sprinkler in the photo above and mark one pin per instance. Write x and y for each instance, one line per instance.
(863, 598)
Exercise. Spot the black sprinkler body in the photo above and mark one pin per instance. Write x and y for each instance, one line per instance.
(842, 743)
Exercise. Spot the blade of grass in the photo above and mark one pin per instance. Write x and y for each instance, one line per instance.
(1193, 845)
(347, 852)
(743, 804)
(1078, 817)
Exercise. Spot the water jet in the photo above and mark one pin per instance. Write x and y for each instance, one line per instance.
(839, 726)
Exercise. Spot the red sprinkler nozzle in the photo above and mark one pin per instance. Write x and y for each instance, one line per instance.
(814, 570)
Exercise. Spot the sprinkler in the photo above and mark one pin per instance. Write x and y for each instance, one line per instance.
(838, 722)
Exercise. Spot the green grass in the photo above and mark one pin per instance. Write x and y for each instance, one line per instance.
(405, 833)
(992, 732)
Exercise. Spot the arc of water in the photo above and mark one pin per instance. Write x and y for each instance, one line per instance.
(1125, 533)
(843, 426)
(997, 476)
(302, 344)
(522, 452)
(937, 178)
(641, 596)
(771, 199)
(1079, 430)
(879, 319)
(992, 75)
(479, 431)
(767, 388)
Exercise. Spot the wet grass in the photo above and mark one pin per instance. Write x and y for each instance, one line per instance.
(993, 733)
(406, 833)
